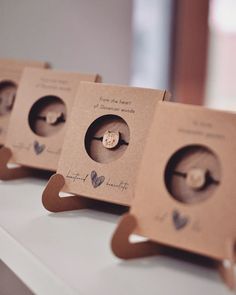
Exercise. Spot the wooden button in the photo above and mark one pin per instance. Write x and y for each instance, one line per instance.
(52, 117)
(110, 139)
(196, 178)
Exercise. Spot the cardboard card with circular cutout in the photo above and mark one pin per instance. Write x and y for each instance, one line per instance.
(10, 75)
(105, 140)
(39, 118)
(184, 195)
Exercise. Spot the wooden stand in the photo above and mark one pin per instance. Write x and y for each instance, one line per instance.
(7, 173)
(54, 203)
(124, 249)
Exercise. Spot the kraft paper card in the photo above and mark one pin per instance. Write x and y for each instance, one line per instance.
(39, 118)
(104, 143)
(184, 196)
(10, 74)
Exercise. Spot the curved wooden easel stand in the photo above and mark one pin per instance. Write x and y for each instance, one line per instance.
(53, 202)
(123, 248)
(7, 173)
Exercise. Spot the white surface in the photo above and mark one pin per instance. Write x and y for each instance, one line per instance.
(69, 253)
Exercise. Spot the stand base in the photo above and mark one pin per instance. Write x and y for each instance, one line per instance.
(123, 248)
(11, 173)
(54, 203)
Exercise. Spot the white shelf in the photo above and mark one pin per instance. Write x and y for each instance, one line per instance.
(69, 253)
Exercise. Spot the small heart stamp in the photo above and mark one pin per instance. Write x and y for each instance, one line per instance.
(38, 148)
(96, 180)
(180, 221)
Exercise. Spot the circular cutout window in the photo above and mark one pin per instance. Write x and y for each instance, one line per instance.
(107, 138)
(47, 116)
(7, 96)
(192, 174)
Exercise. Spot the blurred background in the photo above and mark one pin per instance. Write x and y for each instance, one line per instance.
(186, 46)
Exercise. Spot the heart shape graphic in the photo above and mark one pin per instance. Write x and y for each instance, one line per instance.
(96, 180)
(38, 148)
(179, 220)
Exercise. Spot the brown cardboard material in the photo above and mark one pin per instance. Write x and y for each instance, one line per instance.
(10, 74)
(103, 146)
(201, 224)
(39, 119)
